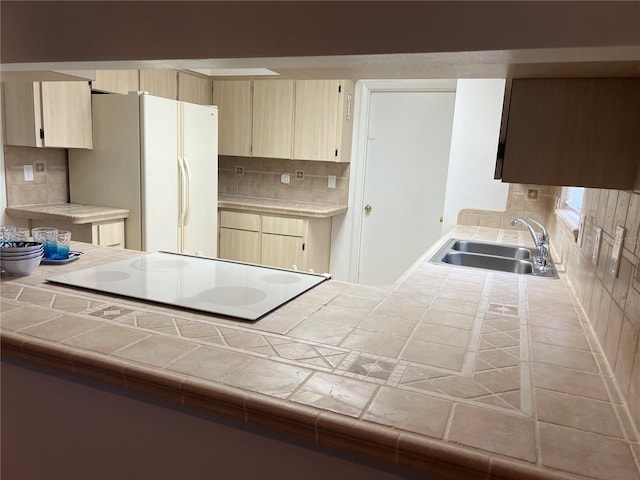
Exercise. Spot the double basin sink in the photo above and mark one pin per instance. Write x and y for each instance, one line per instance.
(492, 256)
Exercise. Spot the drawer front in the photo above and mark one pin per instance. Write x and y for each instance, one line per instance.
(240, 221)
(283, 226)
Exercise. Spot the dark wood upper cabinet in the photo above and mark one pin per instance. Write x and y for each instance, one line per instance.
(571, 131)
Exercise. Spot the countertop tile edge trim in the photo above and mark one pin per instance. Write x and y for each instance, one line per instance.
(79, 219)
(320, 212)
(501, 469)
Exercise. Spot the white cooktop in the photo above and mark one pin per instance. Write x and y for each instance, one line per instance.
(210, 285)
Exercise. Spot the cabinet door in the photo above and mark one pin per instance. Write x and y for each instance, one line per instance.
(194, 89)
(576, 131)
(233, 98)
(240, 245)
(272, 118)
(66, 114)
(160, 83)
(108, 234)
(316, 117)
(282, 251)
(22, 118)
(116, 81)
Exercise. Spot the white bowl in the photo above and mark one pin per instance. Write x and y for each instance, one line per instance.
(21, 267)
(20, 250)
(20, 256)
(20, 247)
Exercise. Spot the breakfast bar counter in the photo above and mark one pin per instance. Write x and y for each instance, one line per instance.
(457, 373)
(72, 213)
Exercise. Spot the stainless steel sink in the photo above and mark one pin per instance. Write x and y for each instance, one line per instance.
(496, 249)
(491, 256)
(502, 264)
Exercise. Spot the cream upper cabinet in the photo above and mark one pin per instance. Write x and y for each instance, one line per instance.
(116, 81)
(194, 88)
(48, 114)
(323, 120)
(234, 101)
(160, 83)
(571, 131)
(273, 118)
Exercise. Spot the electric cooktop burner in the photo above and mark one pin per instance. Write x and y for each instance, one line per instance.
(210, 285)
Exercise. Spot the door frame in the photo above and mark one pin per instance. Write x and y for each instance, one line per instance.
(347, 230)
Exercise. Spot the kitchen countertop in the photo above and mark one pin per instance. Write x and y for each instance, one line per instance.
(73, 213)
(282, 207)
(458, 372)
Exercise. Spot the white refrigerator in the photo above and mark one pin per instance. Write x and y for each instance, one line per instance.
(158, 158)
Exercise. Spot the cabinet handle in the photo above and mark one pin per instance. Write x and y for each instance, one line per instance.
(349, 99)
(303, 247)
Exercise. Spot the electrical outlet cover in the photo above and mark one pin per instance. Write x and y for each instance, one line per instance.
(583, 220)
(597, 240)
(331, 182)
(285, 178)
(28, 173)
(616, 252)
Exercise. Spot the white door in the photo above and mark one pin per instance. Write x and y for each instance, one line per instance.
(200, 153)
(409, 138)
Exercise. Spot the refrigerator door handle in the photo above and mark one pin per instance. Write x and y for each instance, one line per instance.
(182, 190)
(187, 210)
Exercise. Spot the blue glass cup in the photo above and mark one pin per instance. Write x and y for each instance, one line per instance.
(50, 244)
(63, 244)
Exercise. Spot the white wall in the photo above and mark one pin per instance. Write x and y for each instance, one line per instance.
(476, 128)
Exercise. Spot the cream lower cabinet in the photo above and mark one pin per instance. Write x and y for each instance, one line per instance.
(276, 241)
(106, 234)
(239, 237)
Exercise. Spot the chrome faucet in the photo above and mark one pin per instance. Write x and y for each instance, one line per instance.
(542, 243)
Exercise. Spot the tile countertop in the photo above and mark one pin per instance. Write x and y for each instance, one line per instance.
(73, 213)
(283, 207)
(461, 373)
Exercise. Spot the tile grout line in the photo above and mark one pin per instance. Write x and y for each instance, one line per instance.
(526, 392)
(476, 331)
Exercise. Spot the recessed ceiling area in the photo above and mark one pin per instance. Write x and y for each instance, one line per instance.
(235, 72)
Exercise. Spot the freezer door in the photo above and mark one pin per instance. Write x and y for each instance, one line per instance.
(200, 155)
(160, 185)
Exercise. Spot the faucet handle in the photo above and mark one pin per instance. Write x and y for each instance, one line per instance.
(544, 235)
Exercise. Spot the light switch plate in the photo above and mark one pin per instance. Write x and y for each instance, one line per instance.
(597, 240)
(285, 178)
(616, 253)
(331, 182)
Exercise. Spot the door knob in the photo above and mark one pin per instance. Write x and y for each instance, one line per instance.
(367, 208)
